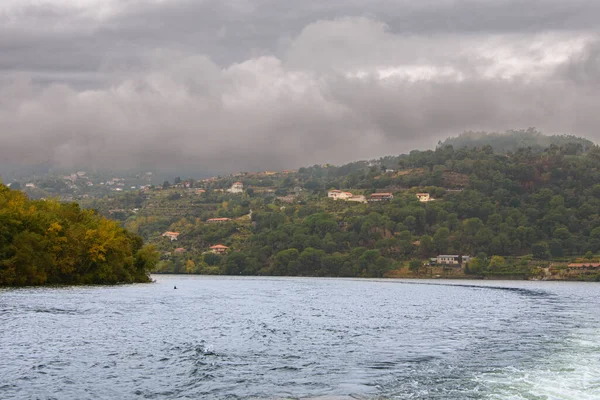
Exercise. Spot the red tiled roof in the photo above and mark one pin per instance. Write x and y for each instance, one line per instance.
(381, 194)
(584, 265)
(219, 246)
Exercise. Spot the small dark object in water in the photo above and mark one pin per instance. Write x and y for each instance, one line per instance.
(174, 287)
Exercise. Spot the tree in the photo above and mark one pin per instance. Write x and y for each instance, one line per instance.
(426, 245)
(497, 262)
(283, 260)
(236, 263)
(540, 251)
(441, 240)
(212, 259)
(475, 266)
(190, 266)
(310, 261)
(415, 265)
(47, 242)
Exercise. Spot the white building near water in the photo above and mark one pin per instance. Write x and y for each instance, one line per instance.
(453, 259)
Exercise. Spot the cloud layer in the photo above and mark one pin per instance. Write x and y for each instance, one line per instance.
(264, 85)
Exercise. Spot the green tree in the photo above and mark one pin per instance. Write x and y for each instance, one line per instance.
(497, 262)
(441, 240)
(415, 265)
(540, 251)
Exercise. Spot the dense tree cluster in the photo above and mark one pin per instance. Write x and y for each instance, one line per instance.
(514, 140)
(47, 242)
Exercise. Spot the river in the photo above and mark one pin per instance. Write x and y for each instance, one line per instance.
(290, 338)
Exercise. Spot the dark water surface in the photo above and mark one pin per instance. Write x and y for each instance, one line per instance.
(271, 338)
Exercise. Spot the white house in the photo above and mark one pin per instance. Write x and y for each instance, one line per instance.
(237, 187)
(423, 197)
(339, 195)
(358, 198)
(452, 259)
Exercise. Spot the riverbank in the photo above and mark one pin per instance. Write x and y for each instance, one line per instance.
(440, 274)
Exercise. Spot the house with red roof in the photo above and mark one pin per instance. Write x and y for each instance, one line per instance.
(237, 187)
(219, 249)
(217, 220)
(381, 197)
(171, 235)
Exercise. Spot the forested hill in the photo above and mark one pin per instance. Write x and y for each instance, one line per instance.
(46, 242)
(516, 207)
(512, 140)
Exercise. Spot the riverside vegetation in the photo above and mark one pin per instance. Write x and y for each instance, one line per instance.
(516, 209)
(46, 242)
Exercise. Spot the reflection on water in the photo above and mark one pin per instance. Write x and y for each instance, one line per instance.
(271, 338)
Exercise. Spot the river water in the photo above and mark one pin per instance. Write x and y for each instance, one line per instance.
(281, 338)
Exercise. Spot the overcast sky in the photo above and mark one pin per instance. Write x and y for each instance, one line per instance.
(247, 85)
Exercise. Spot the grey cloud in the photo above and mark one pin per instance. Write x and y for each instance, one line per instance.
(187, 112)
(54, 38)
(253, 85)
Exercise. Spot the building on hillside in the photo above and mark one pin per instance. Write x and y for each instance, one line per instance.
(424, 197)
(237, 187)
(381, 197)
(358, 198)
(217, 220)
(339, 195)
(179, 250)
(455, 260)
(200, 191)
(586, 266)
(290, 198)
(171, 235)
(219, 249)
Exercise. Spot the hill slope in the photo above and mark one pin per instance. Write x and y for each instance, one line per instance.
(541, 204)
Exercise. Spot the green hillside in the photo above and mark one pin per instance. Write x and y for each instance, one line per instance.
(516, 212)
(510, 141)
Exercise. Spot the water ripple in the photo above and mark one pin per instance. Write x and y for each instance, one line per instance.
(262, 338)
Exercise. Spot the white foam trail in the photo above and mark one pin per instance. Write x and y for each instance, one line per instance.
(571, 373)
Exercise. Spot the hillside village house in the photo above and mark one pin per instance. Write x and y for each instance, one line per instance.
(381, 197)
(237, 187)
(219, 249)
(171, 235)
(217, 220)
(451, 260)
(586, 266)
(423, 197)
(358, 198)
(339, 195)
(335, 194)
